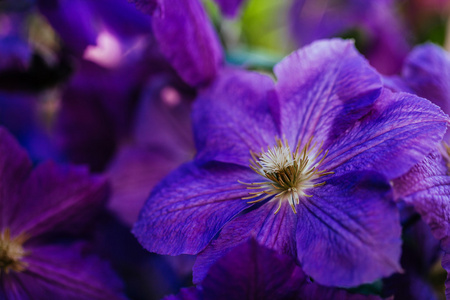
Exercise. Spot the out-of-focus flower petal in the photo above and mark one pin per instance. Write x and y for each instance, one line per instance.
(187, 39)
(56, 198)
(66, 272)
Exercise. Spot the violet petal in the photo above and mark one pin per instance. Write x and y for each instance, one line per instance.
(187, 209)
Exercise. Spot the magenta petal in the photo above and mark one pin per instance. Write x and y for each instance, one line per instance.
(323, 89)
(348, 233)
(273, 231)
(56, 198)
(65, 272)
(233, 117)
(15, 166)
(189, 207)
(399, 132)
(229, 7)
(187, 39)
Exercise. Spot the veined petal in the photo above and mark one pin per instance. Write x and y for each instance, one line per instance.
(189, 207)
(56, 198)
(426, 73)
(348, 232)
(274, 231)
(426, 187)
(65, 272)
(323, 89)
(187, 39)
(233, 117)
(399, 132)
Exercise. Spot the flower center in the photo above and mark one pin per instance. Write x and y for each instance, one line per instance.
(288, 174)
(11, 252)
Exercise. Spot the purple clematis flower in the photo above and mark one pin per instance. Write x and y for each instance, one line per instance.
(250, 271)
(321, 143)
(427, 186)
(36, 206)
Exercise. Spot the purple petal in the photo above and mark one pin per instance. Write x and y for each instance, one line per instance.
(323, 89)
(426, 73)
(187, 39)
(275, 231)
(399, 132)
(233, 117)
(348, 233)
(426, 187)
(229, 7)
(67, 272)
(188, 208)
(58, 198)
(251, 271)
(15, 167)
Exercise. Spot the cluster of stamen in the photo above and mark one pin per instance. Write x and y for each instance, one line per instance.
(288, 174)
(11, 252)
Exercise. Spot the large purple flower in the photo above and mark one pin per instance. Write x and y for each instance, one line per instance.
(321, 143)
(250, 271)
(36, 206)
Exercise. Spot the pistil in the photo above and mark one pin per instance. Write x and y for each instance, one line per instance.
(288, 175)
(12, 252)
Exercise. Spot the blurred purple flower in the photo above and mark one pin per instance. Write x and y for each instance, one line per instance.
(250, 271)
(383, 40)
(343, 232)
(229, 7)
(81, 23)
(37, 205)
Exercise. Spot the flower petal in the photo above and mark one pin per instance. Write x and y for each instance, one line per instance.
(426, 73)
(323, 89)
(66, 272)
(275, 231)
(426, 187)
(57, 198)
(233, 117)
(251, 271)
(349, 232)
(189, 207)
(187, 39)
(15, 167)
(399, 132)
